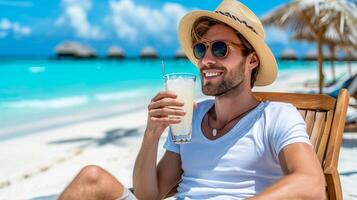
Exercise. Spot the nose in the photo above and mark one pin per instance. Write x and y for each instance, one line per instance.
(208, 59)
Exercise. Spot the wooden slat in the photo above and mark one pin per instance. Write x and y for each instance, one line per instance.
(333, 147)
(303, 113)
(317, 130)
(333, 182)
(321, 150)
(310, 119)
(301, 101)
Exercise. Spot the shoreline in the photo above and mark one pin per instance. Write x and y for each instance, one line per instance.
(10, 133)
(86, 116)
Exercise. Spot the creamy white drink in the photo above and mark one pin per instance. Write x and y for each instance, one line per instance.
(183, 84)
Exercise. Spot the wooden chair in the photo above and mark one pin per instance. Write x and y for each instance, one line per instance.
(325, 121)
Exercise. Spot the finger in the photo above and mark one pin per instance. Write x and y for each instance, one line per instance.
(163, 94)
(165, 112)
(166, 120)
(165, 102)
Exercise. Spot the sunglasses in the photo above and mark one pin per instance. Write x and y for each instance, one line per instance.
(219, 48)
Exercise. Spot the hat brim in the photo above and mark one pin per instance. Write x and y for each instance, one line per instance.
(268, 67)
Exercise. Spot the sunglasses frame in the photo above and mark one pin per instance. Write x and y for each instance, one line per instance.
(209, 44)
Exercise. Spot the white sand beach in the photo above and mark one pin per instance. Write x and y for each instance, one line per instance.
(41, 164)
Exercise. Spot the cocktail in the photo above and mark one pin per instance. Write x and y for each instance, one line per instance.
(183, 84)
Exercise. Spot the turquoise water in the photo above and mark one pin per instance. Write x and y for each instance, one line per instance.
(32, 89)
(36, 88)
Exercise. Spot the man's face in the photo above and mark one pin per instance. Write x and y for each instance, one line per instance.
(220, 75)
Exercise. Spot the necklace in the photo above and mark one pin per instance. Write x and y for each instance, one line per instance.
(214, 131)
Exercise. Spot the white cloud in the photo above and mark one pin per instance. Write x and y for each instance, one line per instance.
(78, 20)
(85, 4)
(7, 27)
(5, 24)
(75, 14)
(276, 35)
(174, 11)
(132, 21)
(22, 30)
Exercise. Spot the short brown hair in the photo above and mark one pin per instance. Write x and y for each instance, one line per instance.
(203, 24)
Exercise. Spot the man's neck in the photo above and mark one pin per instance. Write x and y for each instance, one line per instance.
(233, 104)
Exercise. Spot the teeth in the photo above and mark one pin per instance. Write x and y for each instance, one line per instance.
(211, 74)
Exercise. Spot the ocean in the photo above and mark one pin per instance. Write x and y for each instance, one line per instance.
(33, 91)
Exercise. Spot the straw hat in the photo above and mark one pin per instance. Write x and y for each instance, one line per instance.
(240, 18)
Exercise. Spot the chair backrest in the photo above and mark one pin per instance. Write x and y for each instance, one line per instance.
(325, 120)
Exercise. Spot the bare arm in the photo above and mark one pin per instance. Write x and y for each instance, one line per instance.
(169, 173)
(303, 178)
(150, 181)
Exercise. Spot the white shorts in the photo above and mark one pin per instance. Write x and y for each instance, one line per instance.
(127, 195)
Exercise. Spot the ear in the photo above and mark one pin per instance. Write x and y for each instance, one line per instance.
(252, 61)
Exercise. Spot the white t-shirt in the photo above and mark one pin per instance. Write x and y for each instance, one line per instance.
(245, 160)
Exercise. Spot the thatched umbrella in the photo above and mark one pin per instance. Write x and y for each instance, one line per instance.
(288, 54)
(333, 39)
(317, 16)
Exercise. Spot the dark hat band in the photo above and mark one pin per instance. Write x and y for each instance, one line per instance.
(227, 14)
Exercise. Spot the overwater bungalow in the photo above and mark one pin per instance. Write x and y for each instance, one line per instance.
(179, 54)
(148, 52)
(288, 54)
(351, 56)
(69, 49)
(115, 52)
(310, 55)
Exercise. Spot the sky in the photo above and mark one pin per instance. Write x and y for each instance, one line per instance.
(35, 28)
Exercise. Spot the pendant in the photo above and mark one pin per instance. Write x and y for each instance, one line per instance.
(214, 132)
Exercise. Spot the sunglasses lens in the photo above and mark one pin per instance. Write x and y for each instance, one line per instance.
(219, 49)
(199, 50)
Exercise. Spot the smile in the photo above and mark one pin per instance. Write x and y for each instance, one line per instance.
(211, 74)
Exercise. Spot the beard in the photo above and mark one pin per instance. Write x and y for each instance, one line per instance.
(231, 80)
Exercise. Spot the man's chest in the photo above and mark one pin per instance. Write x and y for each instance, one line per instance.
(235, 155)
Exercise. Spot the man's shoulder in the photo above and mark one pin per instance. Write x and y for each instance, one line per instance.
(275, 106)
(282, 114)
(280, 109)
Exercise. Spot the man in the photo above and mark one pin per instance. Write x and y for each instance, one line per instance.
(241, 148)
